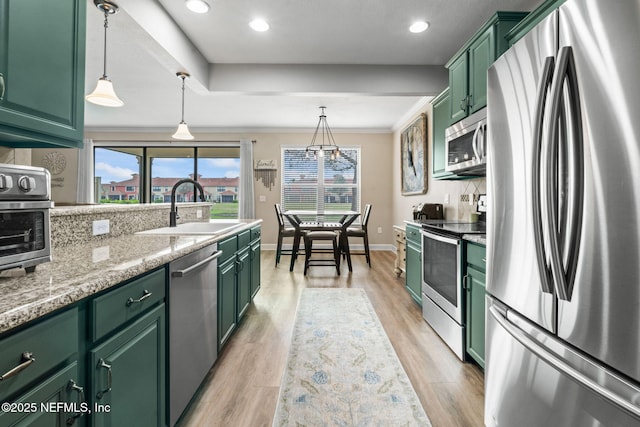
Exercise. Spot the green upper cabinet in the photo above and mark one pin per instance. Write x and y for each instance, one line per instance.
(441, 105)
(468, 68)
(532, 19)
(459, 88)
(481, 56)
(42, 55)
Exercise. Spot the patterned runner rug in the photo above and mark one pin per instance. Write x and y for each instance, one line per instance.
(342, 369)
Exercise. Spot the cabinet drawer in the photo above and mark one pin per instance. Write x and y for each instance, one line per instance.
(413, 234)
(476, 256)
(255, 233)
(399, 236)
(50, 343)
(228, 247)
(56, 388)
(244, 239)
(116, 307)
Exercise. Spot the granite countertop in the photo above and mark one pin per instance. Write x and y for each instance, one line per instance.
(80, 271)
(481, 239)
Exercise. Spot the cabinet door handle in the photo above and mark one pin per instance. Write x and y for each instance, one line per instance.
(1, 86)
(26, 361)
(103, 364)
(465, 284)
(146, 294)
(463, 103)
(72, 386)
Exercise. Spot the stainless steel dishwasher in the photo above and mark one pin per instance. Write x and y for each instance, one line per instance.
(193, 325)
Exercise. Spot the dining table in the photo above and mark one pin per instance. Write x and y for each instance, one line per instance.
(305, 220)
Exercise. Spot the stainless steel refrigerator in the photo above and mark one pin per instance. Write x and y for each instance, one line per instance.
(563, 229)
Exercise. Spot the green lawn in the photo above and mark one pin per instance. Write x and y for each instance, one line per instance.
(224, 210)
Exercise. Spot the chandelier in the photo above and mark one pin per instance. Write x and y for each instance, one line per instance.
(326, 141)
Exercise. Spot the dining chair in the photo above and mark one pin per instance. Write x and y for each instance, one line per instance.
(297, 237)
(283, 231)
(361, 231)
(309, 260)
(309, 232)
(345, 223)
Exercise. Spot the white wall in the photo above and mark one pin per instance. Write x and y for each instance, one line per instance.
(436, 189)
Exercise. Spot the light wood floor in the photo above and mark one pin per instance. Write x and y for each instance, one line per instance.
(242, 388)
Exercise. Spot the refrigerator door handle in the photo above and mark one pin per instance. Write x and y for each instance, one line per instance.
(598, 379)
(576, 175)
(546, 278)
(564, 265)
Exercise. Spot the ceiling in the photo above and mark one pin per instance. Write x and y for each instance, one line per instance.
(355, 57)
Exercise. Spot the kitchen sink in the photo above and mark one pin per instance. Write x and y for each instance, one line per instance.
(196, 228)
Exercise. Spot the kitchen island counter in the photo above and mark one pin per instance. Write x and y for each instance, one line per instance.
(80, 271)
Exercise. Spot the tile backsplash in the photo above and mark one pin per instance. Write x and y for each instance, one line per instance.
(470, 191)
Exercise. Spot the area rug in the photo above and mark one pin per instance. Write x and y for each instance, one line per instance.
(342, 369)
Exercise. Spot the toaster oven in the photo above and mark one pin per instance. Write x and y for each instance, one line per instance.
(25, 237)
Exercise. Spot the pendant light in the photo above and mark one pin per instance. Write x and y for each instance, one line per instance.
(326, 143)
(104, 94)
(183, 129)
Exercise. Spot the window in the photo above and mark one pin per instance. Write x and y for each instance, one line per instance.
(118, 172)
(320, 184)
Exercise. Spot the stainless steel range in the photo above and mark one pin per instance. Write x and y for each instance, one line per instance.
(442, 270)
(25, 201)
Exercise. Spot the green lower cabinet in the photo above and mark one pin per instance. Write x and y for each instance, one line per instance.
(226, 300)
(255, 268)
(475, 286)
(238, 280)
(46, 404)
(244, 281)
(128, 374)
(413, 276)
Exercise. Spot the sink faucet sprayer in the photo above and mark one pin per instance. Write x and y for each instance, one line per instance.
(173, 214)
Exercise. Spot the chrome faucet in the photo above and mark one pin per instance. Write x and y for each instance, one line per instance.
(173, 214)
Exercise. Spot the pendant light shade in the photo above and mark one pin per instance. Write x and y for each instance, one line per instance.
(326, 141)
(183, 130)
(104, 94)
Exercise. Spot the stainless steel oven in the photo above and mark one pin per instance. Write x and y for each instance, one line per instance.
(442, 299)
(25, 237)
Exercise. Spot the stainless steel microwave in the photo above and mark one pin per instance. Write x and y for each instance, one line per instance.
(466, 145)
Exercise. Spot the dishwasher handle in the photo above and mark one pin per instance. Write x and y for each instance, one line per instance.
(189, 270)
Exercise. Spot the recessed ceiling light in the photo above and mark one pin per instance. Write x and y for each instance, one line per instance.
(419, 26)
(259, 25)
(198, 6)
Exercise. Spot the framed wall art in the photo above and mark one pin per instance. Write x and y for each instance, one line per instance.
(413, 155)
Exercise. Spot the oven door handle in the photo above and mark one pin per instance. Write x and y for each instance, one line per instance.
(444, 239)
